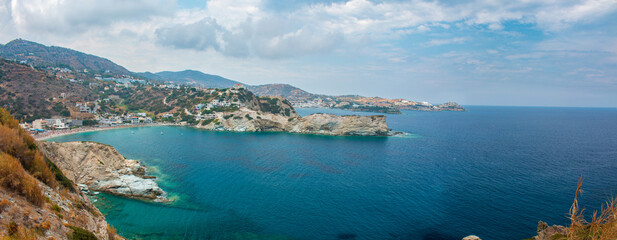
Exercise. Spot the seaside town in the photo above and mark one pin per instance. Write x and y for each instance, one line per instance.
(88, 116)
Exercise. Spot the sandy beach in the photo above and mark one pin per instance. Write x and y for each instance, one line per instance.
(57, 133)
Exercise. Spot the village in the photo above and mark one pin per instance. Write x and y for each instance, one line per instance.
(45, 127)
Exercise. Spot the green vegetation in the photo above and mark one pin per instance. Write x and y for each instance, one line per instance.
(90, 122)
(56, 208)
(81, 234)
(225, 109)
(62, 180)
(207, 121)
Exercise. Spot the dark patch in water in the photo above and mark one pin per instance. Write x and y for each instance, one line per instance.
(346, 236)
(322, 166)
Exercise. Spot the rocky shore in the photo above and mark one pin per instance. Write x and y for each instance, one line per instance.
(99, 167)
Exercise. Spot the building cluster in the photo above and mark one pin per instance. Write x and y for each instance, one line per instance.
(135, 118)
(53, 123)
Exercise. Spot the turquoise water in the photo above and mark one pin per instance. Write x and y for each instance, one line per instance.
(491, 171)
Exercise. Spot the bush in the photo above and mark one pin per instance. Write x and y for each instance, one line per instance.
(56, 208)
(13, 228)
(81, 234)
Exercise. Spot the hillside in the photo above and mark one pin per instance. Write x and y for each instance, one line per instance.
(191, 77)
(50, 56)
(37, 201)
(30, 93)
(282, 90)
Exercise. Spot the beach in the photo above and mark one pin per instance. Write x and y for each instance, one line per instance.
(57, 133)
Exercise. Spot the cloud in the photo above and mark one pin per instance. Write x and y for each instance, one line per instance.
(246, 28)
(201, 35)
(75, 16)
(439, 42)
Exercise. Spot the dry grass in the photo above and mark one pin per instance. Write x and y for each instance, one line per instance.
(111, 232)
(19, 144)
(4, 204)
(603, 224)
(16, 232)
(14, 177)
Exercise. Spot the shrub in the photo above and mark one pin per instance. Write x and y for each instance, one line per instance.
(14, 177)
(81, 234)
(111, 232)
(13, 228)
(62, 180)
(56, 208)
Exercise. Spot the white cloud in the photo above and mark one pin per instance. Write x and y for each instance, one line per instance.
(439, 42)
(75, 16)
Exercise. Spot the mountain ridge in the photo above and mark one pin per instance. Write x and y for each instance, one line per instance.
(192, 77)
(52, 56)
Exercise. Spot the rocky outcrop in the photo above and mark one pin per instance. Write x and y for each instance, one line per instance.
(328, 124)
(451, 106)
(101, 168)
(247, 120)
(472, 237)
(546, 232)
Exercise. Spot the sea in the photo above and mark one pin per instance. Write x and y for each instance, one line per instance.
(493, 172)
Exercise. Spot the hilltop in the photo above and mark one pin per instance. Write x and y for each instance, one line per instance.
(50, 56)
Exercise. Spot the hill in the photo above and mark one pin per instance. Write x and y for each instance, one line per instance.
(32, 94)
(50, 56)
(191, 77)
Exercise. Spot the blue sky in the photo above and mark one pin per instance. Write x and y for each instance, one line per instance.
(482, 52)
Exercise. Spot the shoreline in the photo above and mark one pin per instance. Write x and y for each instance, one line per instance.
(59, 133)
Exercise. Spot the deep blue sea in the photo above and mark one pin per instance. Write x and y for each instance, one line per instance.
(491, 171)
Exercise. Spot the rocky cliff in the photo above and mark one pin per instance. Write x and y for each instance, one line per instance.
(64, 214)
(101, 168)
(247, 120)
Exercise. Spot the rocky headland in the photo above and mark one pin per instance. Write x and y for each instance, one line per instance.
(261, 114)
(100, 167)
(247, 120)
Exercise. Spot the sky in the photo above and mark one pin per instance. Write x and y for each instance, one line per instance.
(478, 52)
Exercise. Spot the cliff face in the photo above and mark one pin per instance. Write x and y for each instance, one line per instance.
(101, 168)
(246, 120)
(328, 124)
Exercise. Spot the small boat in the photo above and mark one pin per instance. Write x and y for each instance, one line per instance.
(161, 133)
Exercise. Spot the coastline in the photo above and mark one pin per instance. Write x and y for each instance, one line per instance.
(58, 133)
